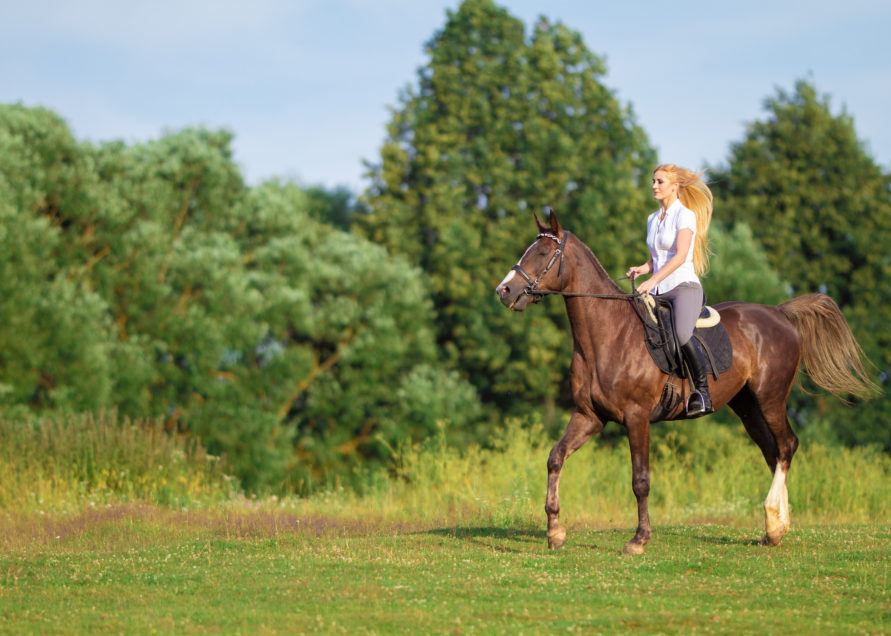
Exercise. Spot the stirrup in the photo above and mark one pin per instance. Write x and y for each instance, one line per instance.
(702, 407)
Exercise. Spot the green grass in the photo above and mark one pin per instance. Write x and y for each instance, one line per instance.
(141, 570)
(108, 526)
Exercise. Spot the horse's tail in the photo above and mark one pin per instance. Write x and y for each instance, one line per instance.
(831, 355)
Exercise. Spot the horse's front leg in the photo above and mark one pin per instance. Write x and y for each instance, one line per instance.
(580, 429)
(639, 440)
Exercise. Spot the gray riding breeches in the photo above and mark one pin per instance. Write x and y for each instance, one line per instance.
(687, 300)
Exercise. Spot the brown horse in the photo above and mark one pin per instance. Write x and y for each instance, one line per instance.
(614, 378)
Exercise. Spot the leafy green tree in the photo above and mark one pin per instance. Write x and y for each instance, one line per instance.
(279, 340)
(739, 268)
(812, 196)
(149, 279)
(821, 207)
(335, 207)
(55, 336)
(360, 322)
(499, 126)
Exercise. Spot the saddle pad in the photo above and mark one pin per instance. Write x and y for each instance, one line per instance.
(663, 349)
(717, 348)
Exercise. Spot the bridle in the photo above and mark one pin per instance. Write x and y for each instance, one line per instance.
(560, 252)
(530, 289)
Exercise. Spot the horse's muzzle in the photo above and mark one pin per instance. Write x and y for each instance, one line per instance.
(514, 298)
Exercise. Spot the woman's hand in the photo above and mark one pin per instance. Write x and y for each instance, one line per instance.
(646, 287)
(633, 272)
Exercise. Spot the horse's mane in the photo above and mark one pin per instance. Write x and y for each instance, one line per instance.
(595, 263)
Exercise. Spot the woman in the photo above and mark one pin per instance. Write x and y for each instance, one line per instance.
(677, 235)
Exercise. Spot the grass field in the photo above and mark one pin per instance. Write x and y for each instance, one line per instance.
(138, 569)
(113, 527)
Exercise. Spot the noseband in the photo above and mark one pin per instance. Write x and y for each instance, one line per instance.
(530, 289)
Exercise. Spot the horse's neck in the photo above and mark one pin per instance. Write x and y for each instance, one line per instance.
(588, 275)
(594, 322)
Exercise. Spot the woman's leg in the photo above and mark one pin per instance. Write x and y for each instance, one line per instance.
(687, 300)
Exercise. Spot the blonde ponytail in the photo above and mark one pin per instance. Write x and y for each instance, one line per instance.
(695, 195)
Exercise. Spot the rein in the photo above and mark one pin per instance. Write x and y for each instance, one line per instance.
(560, 253)
(542, 292)
(637, 301)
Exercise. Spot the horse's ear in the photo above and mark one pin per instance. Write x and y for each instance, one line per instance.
(542, 228)
(555, 224)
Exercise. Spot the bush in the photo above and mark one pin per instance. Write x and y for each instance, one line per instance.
(65, 463)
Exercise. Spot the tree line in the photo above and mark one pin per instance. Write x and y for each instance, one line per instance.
(306, 335)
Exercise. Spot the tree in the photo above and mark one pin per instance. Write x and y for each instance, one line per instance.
(358, 325)
(149, 279)
(335, 207)
(739, 269)
(55, 335)
(821, 207)
(500, 126)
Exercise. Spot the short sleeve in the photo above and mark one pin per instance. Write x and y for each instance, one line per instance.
(686, 220)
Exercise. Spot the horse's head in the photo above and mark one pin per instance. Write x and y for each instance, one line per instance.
(535, 272)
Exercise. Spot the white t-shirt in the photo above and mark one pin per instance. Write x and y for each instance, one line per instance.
(662, 240)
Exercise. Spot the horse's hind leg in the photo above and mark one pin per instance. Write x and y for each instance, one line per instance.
(579, 430)
(776, 507)
(769, 427)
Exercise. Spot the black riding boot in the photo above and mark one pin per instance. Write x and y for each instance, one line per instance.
(699, 402)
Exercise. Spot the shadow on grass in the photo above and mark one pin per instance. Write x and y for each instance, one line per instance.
(524, 540)
(697, 534)
(489, 532)
(509, 540)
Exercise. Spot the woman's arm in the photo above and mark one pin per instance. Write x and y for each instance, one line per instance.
(684, 239)
(646, 268)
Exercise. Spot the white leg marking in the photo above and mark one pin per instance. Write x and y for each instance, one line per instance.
(776, 507)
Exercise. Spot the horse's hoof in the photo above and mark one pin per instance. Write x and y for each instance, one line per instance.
(632, 547)
(772, 538)
(774, 530)
(556, 538)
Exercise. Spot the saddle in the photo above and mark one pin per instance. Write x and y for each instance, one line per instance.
(661, 340)
(658, 321)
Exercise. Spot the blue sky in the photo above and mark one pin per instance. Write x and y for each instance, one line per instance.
(306, 85)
